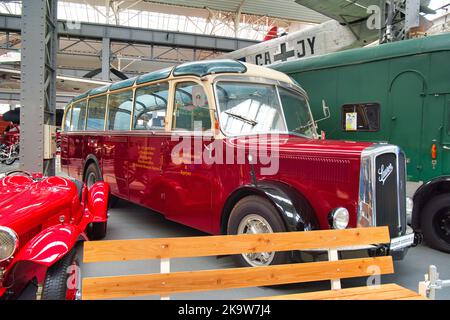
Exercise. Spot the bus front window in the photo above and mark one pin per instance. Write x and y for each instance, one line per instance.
(252, 108)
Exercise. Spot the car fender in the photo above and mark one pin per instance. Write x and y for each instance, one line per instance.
(97, 201)
(50, 245)
(293, 207)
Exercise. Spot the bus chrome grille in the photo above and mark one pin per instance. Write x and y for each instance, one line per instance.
(389, 189)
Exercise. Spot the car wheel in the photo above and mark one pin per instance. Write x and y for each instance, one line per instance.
(63, 278)
(435, 222)
(92, 175)
(251, 215)
(97, 230)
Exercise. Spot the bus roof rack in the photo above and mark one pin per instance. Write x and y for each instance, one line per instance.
(203, 68)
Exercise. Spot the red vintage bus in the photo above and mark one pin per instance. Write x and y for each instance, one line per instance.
(189, 141)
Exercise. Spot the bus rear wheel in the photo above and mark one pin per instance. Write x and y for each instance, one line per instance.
(435, 222)
(92, 175)
(253, 215)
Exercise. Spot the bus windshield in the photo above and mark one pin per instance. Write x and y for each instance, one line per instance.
(249, 108)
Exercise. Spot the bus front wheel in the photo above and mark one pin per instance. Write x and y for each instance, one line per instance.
(254, 214)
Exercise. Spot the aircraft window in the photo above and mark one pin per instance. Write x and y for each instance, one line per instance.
(361, 117)
(120, 106)
(150, 107)
(191, 108)
(96, 114)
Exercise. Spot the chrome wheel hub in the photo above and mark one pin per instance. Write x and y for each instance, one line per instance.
(254, 224)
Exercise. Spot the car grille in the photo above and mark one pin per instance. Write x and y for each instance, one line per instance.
(389, 189)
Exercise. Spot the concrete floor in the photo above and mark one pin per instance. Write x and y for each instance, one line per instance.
(4, 168)
(129, 221)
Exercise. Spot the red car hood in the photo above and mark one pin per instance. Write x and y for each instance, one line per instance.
(25, 203)
(297, 144)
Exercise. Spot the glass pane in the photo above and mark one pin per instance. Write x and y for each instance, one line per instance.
(191, 108)
(96, 114)
(249, 108)
(150, 107)
(361, 117)
(78, 116)
(296, 111)
(68, 119)
(120, 107)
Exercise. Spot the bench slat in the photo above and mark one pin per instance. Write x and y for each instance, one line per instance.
(126, 250)
(180, 282)
(382, 292)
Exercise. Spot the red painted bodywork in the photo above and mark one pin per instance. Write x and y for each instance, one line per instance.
(11, 135)
(4, 126)
(49, 219)
(325, 172)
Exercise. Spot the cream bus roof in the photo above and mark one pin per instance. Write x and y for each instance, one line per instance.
(198, 69)
(258, 71)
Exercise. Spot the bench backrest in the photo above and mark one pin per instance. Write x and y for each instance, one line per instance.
(165, 283)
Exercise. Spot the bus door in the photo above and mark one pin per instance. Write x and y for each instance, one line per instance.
(115, 143)
(145, 142)
(185, 170)
(406, 99)
(115, 163)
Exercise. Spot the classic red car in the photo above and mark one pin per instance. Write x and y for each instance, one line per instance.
(41, 221)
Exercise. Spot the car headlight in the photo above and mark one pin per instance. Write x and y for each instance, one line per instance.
(9, 241)
(339, 218)
(366, 201)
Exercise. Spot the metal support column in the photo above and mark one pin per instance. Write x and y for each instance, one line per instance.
(38, 82)
(106, 58)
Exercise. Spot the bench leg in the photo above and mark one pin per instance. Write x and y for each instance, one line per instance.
(333, 255)
(165, 268)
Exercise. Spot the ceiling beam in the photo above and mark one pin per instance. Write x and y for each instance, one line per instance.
(12, 23)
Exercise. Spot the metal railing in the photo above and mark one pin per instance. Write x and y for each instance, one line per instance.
(432, 282)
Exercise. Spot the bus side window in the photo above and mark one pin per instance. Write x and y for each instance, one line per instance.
(78, 116)
(120, 106)
(150, 107)
(191, 108)
(361, 117)
(68, 119)
(96, 114)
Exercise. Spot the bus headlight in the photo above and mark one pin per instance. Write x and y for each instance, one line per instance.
(339, 218)
(9, 242)
(409, 209)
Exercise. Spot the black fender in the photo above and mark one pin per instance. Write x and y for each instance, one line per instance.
(91, 158)
(293, 207)
(424, 193)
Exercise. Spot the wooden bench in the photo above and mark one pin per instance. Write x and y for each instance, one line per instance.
(167, 283)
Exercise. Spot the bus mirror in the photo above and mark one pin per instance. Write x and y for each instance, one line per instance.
(326, 110)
